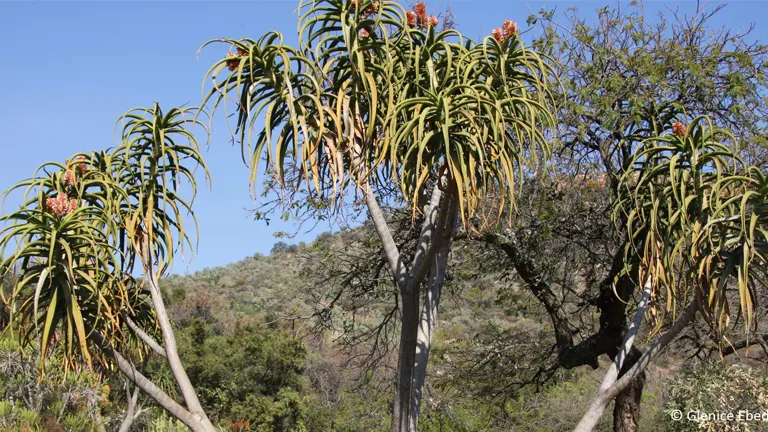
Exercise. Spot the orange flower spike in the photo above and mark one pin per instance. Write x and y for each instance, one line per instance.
(433, 21)
(48, 207)
(60, 206)
(679, 129)
(69, 178)
(421, 12)
(81, 166)
(510, 28)
(498, 35)
(411, 16)
(234, 63)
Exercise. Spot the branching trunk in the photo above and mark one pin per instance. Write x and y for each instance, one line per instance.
(592, 416)
(409, 280)
(171, 351)
(148, 387)
(130, 414)
(147, 339)
(612, 306)
(428, 318)
(618, 361)
(626, 409)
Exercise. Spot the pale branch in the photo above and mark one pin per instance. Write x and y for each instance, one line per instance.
(147, 339)
(446, 227)
(613, 371)
(131, 413)
(399, 270)
(169, 342)
(156, 393)
(428, 238)
(604, 397)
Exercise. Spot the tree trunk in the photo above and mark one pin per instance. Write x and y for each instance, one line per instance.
(403, 419)
(629, 339)
(169, 343)
(612, 320)
(405, 409)
(604, 397)
(149, 388)
(432, 294)
(626, 409)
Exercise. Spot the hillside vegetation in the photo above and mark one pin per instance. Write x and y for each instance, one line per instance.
(559, 226)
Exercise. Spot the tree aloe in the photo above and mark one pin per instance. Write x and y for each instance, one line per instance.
(696, 217)
(80, 232)
(376, 99)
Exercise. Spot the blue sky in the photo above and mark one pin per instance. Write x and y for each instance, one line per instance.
(70, 69)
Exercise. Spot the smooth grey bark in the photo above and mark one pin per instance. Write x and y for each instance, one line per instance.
(157, 394)
(432, 294)
(130, 414)
(171, 351)
(404, 417)
(613, 371)
(147, 339)
(399, 270)
(592, 416)
(409, 280)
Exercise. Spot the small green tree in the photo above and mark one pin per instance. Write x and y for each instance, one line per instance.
(252, 373)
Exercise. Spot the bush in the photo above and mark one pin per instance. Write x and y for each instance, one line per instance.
(715, 388)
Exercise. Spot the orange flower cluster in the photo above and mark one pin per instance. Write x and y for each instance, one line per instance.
(234, 63)
(421, 12)
(510, 28)
(63, 204)
(70, 176)
(498, 35)
(679, 129)
(507, 30)
(60, 205)
(411, 16)
(370, 10)
(80, 167)
(418, 16)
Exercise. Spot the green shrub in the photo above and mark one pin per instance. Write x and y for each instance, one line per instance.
(706, 394)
